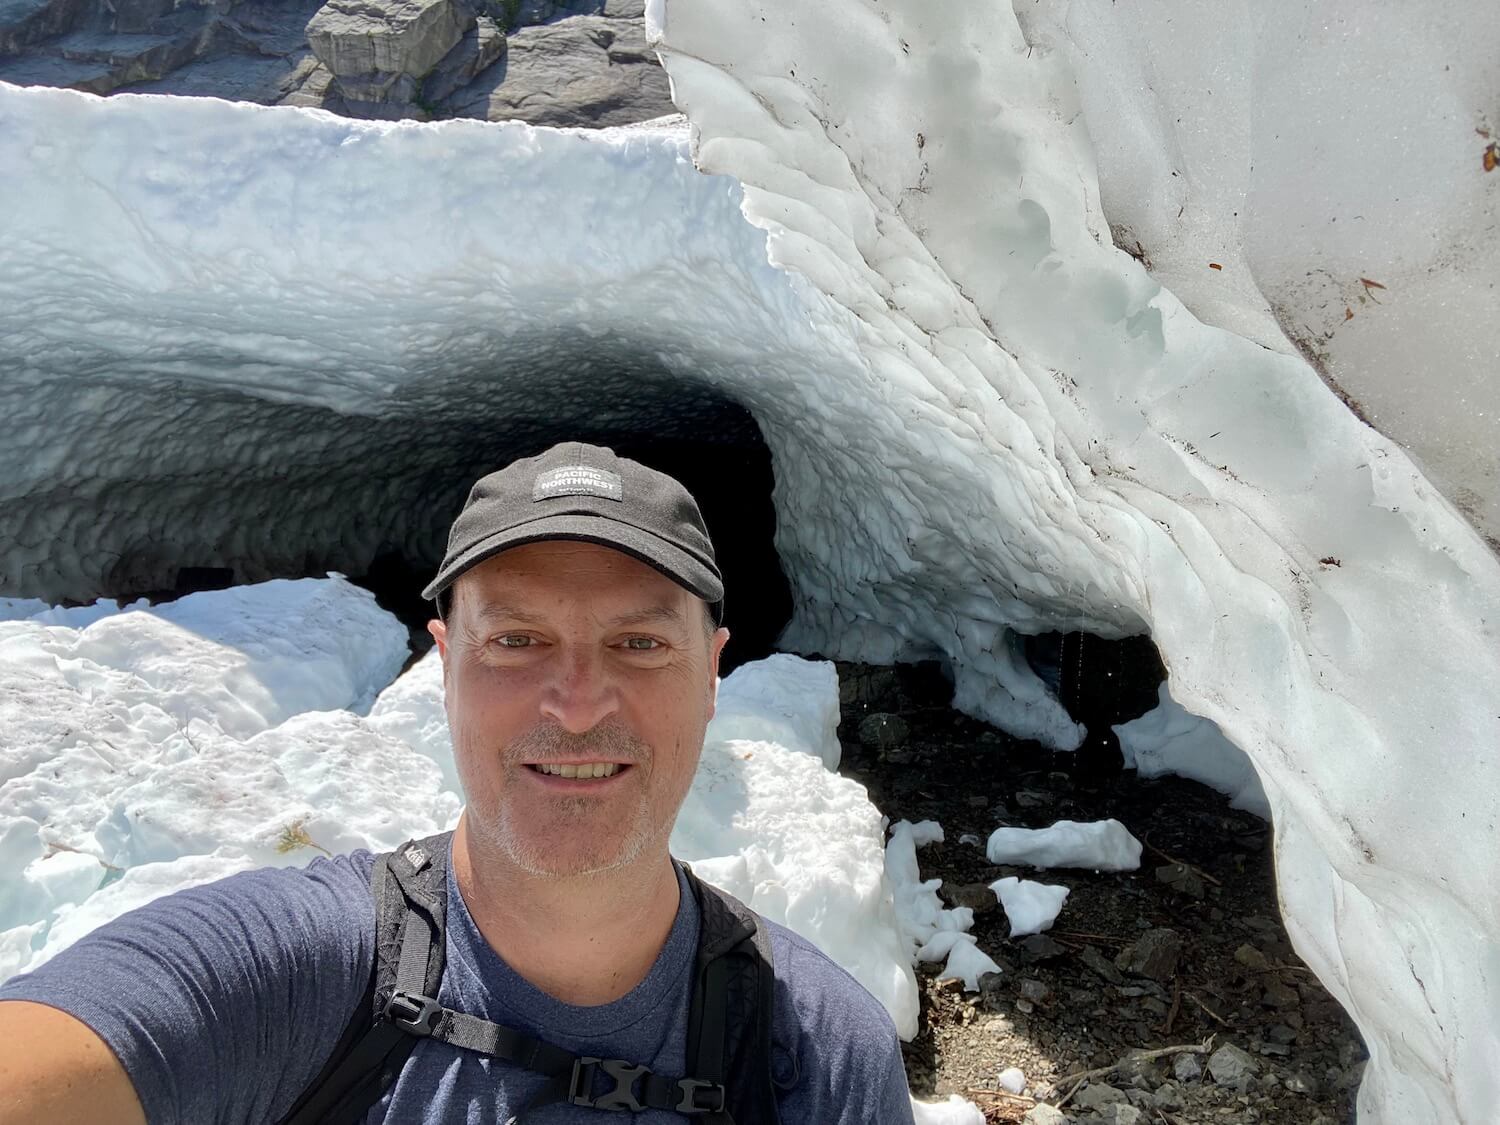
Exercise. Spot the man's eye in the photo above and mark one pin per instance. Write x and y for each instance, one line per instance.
(514, 640)
(642, 644)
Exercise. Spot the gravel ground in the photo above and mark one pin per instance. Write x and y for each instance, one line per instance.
(1173, 988)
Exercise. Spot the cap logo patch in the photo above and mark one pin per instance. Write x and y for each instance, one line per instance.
(577, 480)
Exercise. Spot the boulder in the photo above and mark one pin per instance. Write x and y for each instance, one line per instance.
(24, 22)
(584, 71)
(480, 47)
(379, 50)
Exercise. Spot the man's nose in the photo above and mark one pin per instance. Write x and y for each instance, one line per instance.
(580, 694)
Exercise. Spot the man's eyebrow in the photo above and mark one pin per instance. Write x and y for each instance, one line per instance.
(500, 611)
(658, 614)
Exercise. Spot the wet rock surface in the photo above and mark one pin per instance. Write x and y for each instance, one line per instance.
(1168, 995)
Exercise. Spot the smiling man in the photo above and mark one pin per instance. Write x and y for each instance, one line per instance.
(547, 961)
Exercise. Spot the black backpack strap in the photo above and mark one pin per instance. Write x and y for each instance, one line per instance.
(733, 1008)
(729, 1023)
(409, 888)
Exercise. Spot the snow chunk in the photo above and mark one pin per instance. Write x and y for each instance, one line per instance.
(1099, 845)
(782, 699)
(1031, 907)
(954, 1110)
(1169, 739)
(933, 932)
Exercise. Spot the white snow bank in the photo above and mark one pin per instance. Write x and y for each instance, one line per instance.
(1045, 438)
(170, 742)
(1099, 845)
(1167, 739)
(782, 699)
(931, 931)
(1029, 906)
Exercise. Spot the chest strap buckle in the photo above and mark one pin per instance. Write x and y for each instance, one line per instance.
(622, 1097)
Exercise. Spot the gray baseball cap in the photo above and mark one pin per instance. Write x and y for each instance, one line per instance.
(588, 494)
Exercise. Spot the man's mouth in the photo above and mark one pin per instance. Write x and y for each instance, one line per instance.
(581, 770)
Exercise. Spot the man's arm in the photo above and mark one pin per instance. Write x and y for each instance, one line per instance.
(54, 1068)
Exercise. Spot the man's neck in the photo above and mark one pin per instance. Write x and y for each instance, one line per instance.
(584, 941)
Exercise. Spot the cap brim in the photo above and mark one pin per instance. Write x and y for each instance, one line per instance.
(680, 566)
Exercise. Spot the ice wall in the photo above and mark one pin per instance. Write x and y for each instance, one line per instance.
(985, 419)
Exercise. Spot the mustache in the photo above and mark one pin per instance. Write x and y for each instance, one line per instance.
(549, 742)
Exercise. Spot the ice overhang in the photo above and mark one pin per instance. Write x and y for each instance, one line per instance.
(984, 419)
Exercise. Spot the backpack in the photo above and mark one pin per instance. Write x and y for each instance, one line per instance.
(729, 1021)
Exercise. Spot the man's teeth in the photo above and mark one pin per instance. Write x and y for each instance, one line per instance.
(588, 769)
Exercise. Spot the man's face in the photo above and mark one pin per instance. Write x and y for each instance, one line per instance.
(561, 659)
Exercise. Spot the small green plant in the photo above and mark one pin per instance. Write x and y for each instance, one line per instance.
(510, 11)
(295, 836)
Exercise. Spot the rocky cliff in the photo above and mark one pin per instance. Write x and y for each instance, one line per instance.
(583, 63)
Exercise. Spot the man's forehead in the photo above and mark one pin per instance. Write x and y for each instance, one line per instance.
(525, 582)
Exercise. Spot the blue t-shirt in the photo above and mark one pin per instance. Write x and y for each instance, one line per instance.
(224, 1001)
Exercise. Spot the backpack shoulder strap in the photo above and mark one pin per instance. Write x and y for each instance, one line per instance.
(733, 1005)
(410, 891)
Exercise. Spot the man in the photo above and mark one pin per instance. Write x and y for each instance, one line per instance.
(579, 607)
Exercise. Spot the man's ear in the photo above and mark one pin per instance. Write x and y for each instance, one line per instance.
(438, 630)
(716, 645)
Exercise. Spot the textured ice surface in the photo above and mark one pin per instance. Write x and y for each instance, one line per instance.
(1168, 739)
(1329, 159)
(985, 420)
(1100, 845)
(1030, 907)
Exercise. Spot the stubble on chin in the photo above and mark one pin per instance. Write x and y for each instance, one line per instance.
(568, 836)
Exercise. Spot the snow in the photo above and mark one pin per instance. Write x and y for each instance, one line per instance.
(930, 931)
(1099, 845)
(985, 420)
(1169, 740)
(953, 1110)
(1031, 907)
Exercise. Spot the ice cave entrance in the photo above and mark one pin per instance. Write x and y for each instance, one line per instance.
(370, 495)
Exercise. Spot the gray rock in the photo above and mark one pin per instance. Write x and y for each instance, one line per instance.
(1039, 947)
(1181, 878)
(1228, 1066)
(1187, 1068)
(1120, 1114)
(1035, 990)
(1097, 1095)
(1302, 1083)
(379, 49)
(1168, 1096)
(586, 71)
(1100, 965)
(24, 22)
(976, 896)
(1252, 958)
(883, 731)
(1135, 1069)
(1279, 994)
(1044, 1114)
(481, 45)
(1154, 955)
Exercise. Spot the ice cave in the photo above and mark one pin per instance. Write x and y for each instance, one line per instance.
(968, 323)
